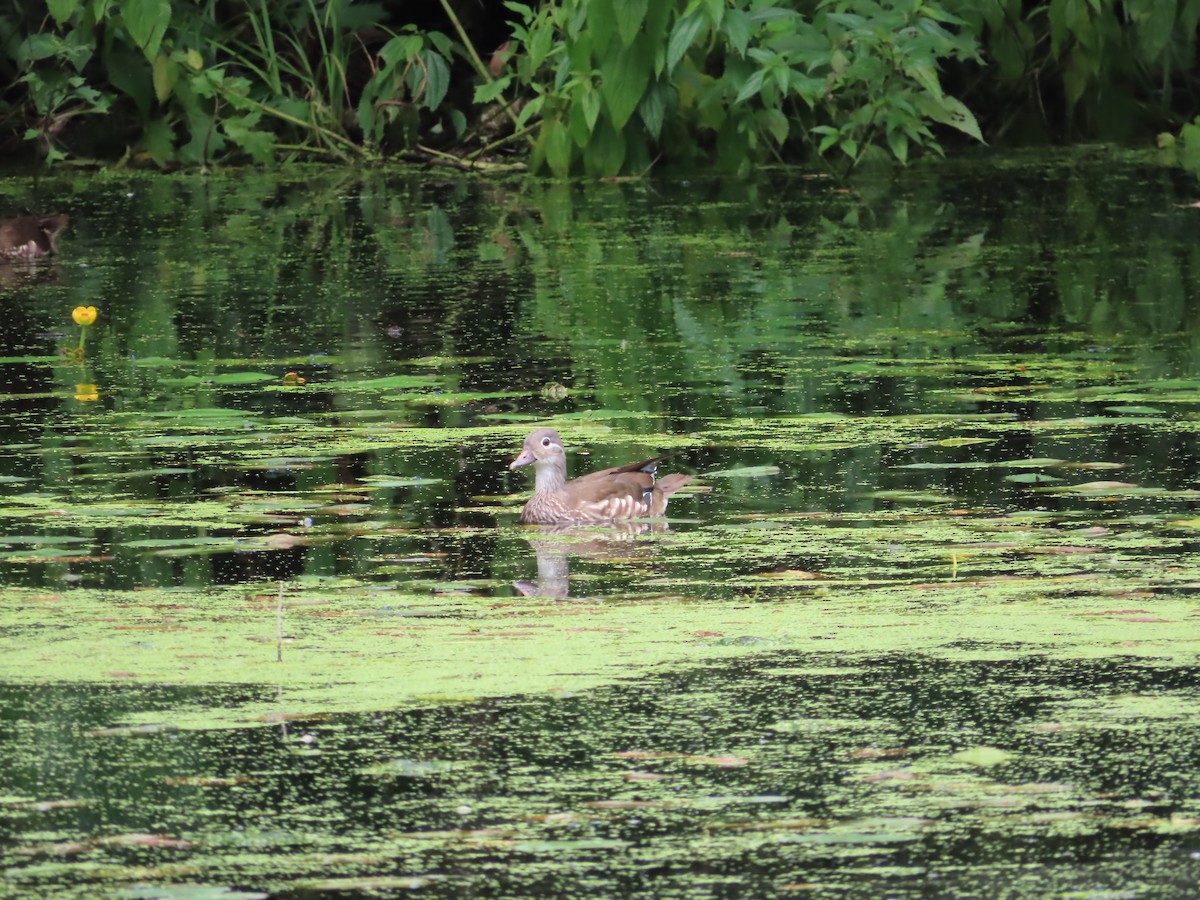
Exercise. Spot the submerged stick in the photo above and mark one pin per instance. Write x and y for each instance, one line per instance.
(279, 626)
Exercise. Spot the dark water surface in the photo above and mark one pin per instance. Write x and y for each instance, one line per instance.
(925, 625)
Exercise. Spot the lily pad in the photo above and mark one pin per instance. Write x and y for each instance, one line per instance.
(381, 482)
(744, 472)
(983, 756)
(236, 378)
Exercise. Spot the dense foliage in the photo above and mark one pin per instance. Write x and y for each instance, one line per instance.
(597, 86)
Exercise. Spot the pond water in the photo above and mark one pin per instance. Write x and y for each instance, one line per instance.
(924, 625)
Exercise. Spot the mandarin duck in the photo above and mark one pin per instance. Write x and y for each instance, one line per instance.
(622, 492)
(30, 237)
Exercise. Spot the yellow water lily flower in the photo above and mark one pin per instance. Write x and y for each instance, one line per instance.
(87, 393)
(84, 315)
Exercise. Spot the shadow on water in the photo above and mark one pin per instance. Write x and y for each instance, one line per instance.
(923, 627)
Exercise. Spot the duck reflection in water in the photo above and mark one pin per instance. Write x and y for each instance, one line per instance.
(26, 242)
(613, 499)
(554, 546)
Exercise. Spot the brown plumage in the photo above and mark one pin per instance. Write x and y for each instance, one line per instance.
(30, 237)
(622, 492)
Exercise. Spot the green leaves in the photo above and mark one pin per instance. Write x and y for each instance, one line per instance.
(683, 35)
(306, 78)
(856, 75)
(555, 147)
(491, 90)
(1154, 23)
(653, 108)
(609, 79)
(147, 21)
(867, 73)
(952, 112)
(62, 10)
(625, 75)
(629, 15)
(752, 76)
(607, 73)
(736, 29)
(432, 87)
(414, 66)
(243, 131)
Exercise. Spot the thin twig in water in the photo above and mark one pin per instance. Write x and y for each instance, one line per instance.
(279, 626)
(469, 164)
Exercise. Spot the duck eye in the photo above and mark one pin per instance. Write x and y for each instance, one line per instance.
(546, 442)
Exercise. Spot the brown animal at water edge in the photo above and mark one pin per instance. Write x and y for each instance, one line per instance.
(622, 492)
(30, 237)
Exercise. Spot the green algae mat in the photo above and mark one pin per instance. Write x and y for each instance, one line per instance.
(925, 624)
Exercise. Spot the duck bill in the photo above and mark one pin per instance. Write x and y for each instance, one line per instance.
(524, 459)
